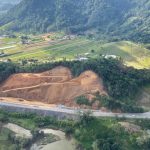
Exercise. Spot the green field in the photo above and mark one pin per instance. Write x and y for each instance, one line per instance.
(132, 54)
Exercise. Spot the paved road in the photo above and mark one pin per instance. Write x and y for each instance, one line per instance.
(61, 109)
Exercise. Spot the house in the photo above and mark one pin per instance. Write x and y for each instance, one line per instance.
(110, 56)
(82, 58)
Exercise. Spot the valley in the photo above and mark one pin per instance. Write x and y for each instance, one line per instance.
(74, 75)
(66, 75)
(44, 48)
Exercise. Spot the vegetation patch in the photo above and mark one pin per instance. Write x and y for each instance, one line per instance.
(91, 133)
(82, 100)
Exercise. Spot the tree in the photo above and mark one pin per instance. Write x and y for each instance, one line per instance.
(86, 118)
(92, 51)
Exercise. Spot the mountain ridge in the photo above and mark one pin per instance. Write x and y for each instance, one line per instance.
(114, 20)
(6, 5)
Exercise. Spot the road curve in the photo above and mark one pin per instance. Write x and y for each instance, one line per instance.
(70, 111)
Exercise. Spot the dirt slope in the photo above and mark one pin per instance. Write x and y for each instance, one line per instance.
(58, 74)
(54, 86)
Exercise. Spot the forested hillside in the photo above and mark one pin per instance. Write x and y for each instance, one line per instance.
(6, 5)
(110, 19)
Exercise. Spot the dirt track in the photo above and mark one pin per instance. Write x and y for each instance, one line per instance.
(54, 86)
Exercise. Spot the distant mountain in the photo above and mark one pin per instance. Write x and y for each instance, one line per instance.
(110, 19)
(6, 5)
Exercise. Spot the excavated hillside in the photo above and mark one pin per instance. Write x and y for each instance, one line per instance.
(54, 86)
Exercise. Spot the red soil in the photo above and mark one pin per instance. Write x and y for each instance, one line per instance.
(54, 86)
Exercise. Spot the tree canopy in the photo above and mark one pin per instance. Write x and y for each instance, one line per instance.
(111, 19)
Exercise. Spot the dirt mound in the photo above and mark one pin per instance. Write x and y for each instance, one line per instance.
(54, 86)
(58, 74)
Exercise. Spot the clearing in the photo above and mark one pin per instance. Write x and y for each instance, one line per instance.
(56, 86)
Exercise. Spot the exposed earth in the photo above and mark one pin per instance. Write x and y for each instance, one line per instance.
(60, 141)
(56, 86)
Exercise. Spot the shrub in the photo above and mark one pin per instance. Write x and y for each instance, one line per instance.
(82, 100)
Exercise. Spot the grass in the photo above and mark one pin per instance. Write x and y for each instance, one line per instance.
(4, 27)
(103, 129)
(5, 144)
(132, 54)
(25, 123)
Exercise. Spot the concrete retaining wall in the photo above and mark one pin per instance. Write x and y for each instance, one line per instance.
(40, 112)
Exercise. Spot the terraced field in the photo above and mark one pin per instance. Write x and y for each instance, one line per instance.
(132, 54)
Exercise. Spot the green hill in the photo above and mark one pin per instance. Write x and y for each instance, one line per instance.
(107, 19)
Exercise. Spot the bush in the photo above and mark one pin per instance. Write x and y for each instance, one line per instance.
(82, 100)
(114, 104)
